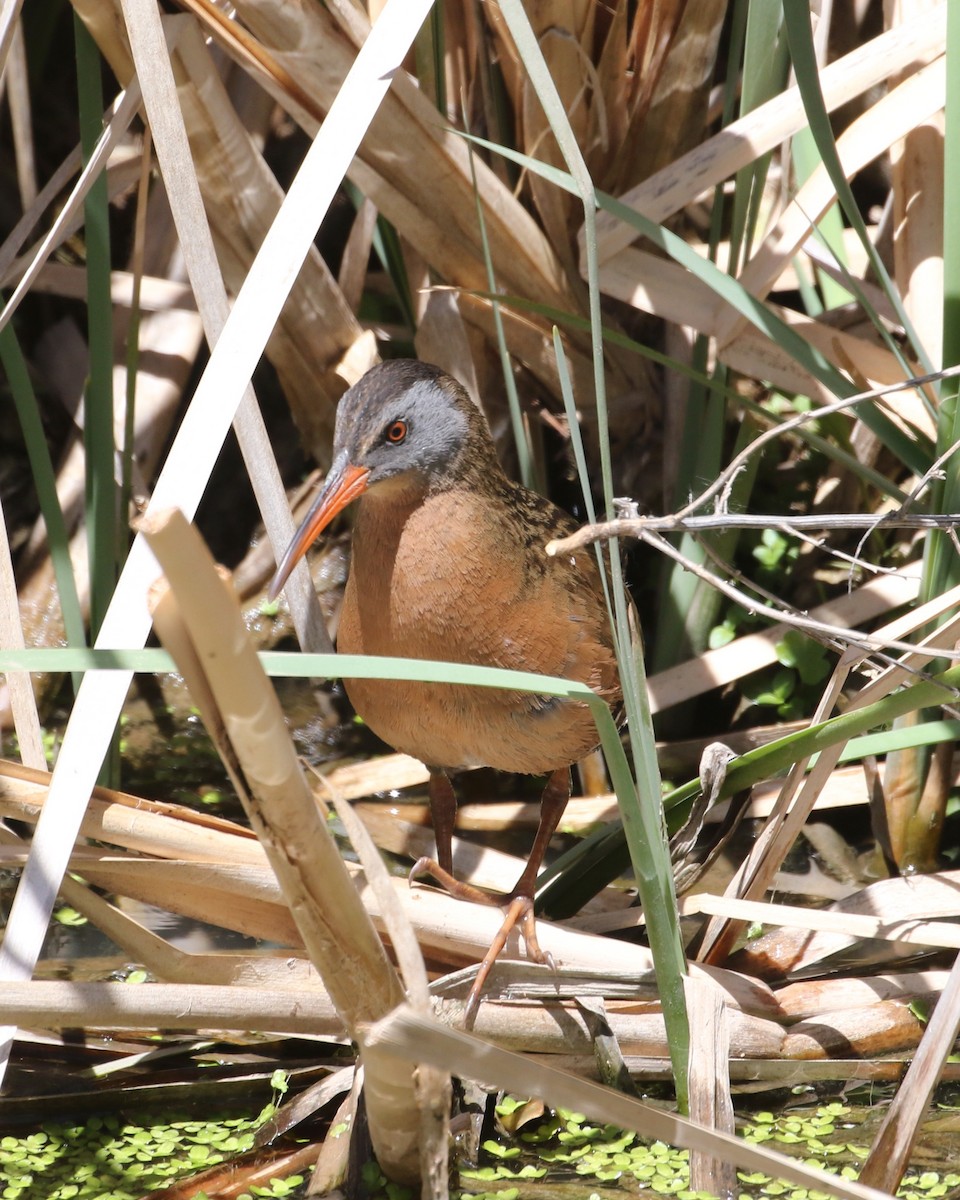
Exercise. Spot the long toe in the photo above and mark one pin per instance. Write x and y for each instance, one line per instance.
(528, 931)
(461, 891)
(518, 911)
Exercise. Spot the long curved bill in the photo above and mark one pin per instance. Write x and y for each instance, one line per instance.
(344, 483)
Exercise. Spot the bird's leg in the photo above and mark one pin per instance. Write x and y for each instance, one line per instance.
(552, 805)
(443, 814)
(519, 906)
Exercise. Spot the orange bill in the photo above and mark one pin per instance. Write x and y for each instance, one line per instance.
(344, 483)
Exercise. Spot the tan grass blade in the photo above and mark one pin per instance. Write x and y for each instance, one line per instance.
(740, 143)
(613, 87)
(9, 15)
(317, 329)
(904, 921)
(668, 108)
(442, 338)
(17, 86)
(21, 231)
(356, 255)
(572, 71)
(916, 172)
(667, 290)
(158, 292)
(438, 220)
(124, 110)
(916, 100)
(355, 779)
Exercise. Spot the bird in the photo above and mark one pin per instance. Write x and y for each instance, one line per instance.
(448, 562)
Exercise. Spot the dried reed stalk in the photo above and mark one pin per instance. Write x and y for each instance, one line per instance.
(199, 620)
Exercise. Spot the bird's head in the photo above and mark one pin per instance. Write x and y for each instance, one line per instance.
(405, 426)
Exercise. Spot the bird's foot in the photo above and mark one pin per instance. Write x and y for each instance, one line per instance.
(461, 891)
(517, 914)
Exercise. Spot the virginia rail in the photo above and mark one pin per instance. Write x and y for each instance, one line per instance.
(448, 563)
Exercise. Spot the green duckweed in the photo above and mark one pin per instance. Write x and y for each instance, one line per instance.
(105, 1158)
(565, 1142)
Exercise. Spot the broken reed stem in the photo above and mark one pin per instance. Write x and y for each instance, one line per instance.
(200, 619)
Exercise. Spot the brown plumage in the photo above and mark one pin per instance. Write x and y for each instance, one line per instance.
(448, 563)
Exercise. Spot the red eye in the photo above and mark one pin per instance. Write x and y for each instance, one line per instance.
(397, 432)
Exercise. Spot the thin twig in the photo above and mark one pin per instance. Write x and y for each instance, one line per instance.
(934, 472)
(834, 635)
(736, 464)
(637, 526)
